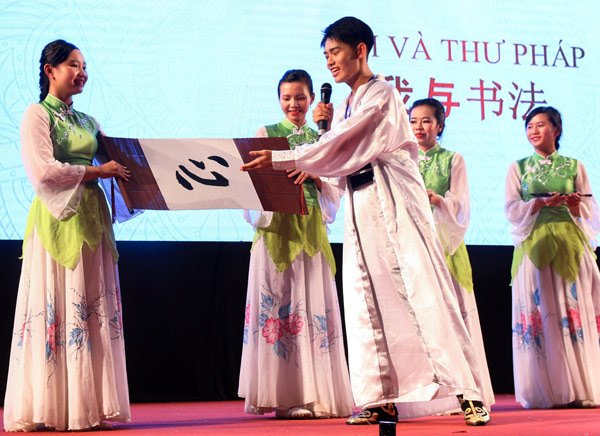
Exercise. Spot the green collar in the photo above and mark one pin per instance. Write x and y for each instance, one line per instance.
(433, 150)
(288, 124)
(552, 157)
(56, 103)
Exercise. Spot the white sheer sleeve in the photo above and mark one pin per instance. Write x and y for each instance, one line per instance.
(589, 222)
(58, 185)
(261, 132)
(452, 216)
(121, 212)
(256, 218)
(330, 195)
(376, 127)
(518, 212)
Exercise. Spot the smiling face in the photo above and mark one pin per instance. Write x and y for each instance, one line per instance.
(295, 100)
(67, 78)
(343, 61)
(425, 126)
(542, 134)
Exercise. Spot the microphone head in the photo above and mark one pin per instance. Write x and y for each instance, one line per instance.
(325, 92)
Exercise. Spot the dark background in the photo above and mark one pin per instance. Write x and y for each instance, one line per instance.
(183, 312)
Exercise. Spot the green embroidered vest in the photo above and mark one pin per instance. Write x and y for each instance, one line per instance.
(552, 174)
(435, 166)
(551, 241)
(295, 137)
(289, 234)
(73, 136)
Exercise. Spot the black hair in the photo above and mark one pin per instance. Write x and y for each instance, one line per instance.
(295, 76)
(351, 31)
(53, 54)
(439, 112)
(553, 116)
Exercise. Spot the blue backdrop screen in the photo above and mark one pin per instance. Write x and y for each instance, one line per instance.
(210, 69)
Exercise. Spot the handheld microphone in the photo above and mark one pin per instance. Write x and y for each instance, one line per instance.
(325, 97)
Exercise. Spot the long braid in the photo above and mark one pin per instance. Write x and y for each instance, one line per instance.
(44, 81)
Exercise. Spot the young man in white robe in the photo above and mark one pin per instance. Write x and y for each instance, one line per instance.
(407, 342)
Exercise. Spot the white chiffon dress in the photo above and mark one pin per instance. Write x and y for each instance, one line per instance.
(67, 361)
(293, 353)
(555, 285)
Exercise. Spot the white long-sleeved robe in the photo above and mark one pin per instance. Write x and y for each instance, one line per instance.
(406, 339)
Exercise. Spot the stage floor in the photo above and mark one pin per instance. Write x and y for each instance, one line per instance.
(227, 418)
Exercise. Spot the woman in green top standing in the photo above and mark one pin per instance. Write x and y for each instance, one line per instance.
(67, 362)
(293, 359)
(445, 177)
(555, 278)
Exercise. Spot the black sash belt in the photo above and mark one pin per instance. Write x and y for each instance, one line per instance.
(361, 177)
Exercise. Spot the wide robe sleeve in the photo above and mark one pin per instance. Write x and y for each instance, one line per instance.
(453, 215)
(110, 187)
(518, 212)
(256, 218)
(376, 127)
(589, 222)
(58, 185)
(330, 196)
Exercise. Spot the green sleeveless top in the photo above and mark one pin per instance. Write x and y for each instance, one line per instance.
(435, 166)
(551, 240)
(73, 136)
(289, 234)
(295, 137)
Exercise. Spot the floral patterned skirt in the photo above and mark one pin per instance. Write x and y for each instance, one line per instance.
(556, 352)
(67, 363)
(293, 353)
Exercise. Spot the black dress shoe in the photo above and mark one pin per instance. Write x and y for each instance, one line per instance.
(374, 415)
(475, 412)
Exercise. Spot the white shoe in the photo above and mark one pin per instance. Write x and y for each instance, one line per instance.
(294, 413)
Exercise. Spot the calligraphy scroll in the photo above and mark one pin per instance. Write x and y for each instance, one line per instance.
(176, 174)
